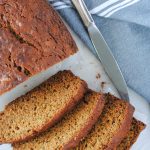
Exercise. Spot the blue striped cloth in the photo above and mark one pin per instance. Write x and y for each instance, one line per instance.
(125, 24)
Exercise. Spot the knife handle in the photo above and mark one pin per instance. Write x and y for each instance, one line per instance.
(83, 11)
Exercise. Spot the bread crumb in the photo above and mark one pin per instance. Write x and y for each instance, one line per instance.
(98, 76)
(25, 86)
(91, 63)
(103, 84)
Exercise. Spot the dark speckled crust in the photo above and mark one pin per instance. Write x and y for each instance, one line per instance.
(32, 38)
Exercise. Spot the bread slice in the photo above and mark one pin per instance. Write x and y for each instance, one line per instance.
(112, 126)
(130, 139)
(41, 108)
(68, 133)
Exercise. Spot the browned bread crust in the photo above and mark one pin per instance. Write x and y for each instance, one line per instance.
(74, 127)
(33, 38)
(135, 130)
(112, 126)
(41, 108)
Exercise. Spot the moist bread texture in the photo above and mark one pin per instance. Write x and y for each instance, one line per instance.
(112, 126)
(32, 38)
(41, 108)
(71, 129)
(135, 130)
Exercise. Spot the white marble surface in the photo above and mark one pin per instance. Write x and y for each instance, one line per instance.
(85, 65)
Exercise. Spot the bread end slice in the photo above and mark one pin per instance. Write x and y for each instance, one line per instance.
(135, 130)
(124, 127)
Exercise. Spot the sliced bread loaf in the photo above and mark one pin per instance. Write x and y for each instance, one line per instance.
(130, 139)
(112, 126)
(68, 133)
(40, 108)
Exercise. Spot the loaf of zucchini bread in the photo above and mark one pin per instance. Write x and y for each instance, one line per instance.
(32, 38)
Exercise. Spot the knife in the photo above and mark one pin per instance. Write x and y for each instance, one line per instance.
(103, 51)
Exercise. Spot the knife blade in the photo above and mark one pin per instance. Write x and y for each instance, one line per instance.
(103, 51)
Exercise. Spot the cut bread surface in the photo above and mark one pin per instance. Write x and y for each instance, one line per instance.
(112, 126)
(41, 108)
(71, 129)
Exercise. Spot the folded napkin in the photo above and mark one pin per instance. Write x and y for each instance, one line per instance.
(125, 25)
